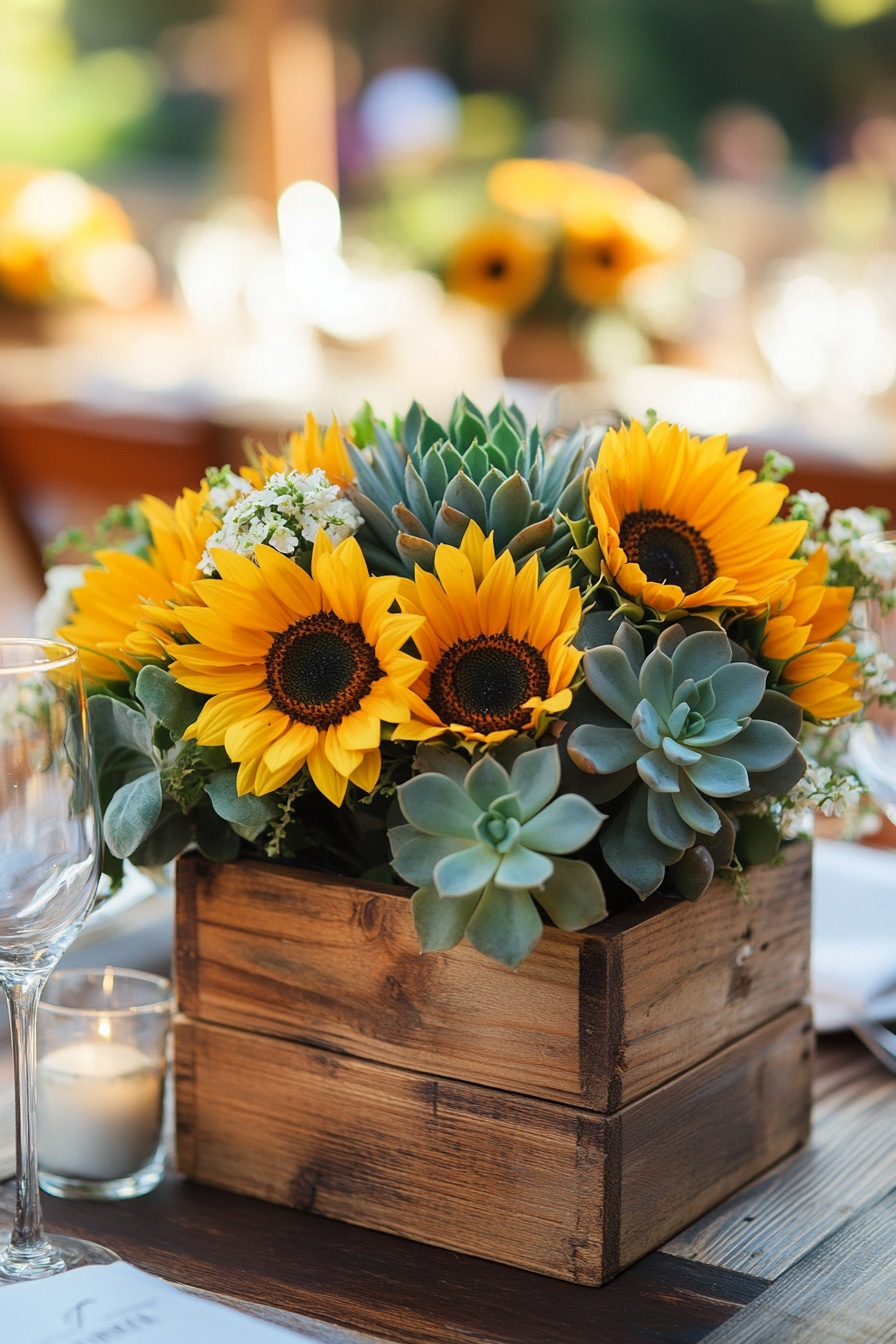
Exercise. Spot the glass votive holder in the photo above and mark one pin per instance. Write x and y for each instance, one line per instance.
(102, 1046)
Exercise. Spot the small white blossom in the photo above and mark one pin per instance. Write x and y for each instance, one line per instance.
(811, 506)
(847, 525)
(287, 513)
(56, 605)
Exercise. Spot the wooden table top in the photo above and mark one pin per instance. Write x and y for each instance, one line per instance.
(806, 1253)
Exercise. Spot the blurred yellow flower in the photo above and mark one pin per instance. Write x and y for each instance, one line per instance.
(500, 264)
(305, 451)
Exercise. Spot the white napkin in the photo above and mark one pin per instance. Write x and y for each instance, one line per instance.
(853, 934)
(105, 1302)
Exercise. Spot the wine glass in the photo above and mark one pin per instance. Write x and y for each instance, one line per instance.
(872, 741)
(50, 854)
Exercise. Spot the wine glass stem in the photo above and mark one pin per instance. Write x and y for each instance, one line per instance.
(27, 1240)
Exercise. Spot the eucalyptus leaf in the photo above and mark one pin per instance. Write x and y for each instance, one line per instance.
(116, 727)
(173, 704)
(248, 811)
(168, 838)
(132, 813)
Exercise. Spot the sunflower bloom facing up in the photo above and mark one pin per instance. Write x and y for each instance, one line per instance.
(496, 643)
(301, 669)
(681, 528)
(124, 612)
(820, 672)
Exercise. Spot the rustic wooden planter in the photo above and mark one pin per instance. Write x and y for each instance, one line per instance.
(566, 1117)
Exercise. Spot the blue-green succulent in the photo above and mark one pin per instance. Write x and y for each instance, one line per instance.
(484, 844)
(669, 735)
(424, 485)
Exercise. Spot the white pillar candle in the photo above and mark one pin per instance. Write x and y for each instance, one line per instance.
(99, 1110)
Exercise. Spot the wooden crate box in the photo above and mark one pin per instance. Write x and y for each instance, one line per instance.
(564, 1117)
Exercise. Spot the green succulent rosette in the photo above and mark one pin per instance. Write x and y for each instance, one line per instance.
(424, 485)
(675, 736)
(483, 845)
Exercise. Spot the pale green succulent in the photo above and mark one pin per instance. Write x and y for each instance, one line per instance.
(481, 843)
(670, 734)
(425, 485)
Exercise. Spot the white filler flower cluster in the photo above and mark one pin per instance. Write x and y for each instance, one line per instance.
(287, 513)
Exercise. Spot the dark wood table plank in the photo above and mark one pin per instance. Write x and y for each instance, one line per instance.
(385, 1286)
(848, 1166)
(843, 1293)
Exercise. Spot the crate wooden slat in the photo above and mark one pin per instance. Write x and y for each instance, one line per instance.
(595, 1019)
(549, 1187)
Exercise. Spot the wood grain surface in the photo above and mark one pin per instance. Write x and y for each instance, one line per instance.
(849, 1164)
(546, 1187)
(842, 1293)
(597, 1019)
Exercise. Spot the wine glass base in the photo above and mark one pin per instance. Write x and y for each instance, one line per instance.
(61, 1253)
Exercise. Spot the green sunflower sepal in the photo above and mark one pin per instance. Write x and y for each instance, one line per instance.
(486, 846)
(676, 740)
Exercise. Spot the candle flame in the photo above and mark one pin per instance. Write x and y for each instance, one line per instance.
(105, 1028)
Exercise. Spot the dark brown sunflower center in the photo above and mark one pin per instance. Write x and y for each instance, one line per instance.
(667, 549)
(604, 256)
(495, 267)
(484, 682)
(320, 669)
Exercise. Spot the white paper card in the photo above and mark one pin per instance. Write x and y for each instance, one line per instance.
(117, 1304)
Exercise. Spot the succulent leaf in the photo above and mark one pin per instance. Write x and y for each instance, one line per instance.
(441, 924)
(486, 839)
(429, 482)
(572, 896)
(697, 724)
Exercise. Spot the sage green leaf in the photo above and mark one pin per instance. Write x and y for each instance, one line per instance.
(739, 687)
(522, 867)
(535, 778)
(415, 858)
(658, 772)
(115, 726)
(565, 825)
(648, 726)
(463, 872)
(700, 655)
(132, 813)
(656, 682)
(509, 512)
(761, 746)
(572, 896)
(451, 525)
(694, 809)
(669, 638)
(440, 923)
(437, 805)
(505, 925)
(630, 642)
(719, 776)
(714, 733)
(666, 824)
(779, 708)
(606, 749)
(610, 676)
(632, 851)
(164, 697)
(249, 811)
(465, 496)
(678, 753)
(434, 756)
(168, 838)
(434, 475)
(486, 781)
(677, 720)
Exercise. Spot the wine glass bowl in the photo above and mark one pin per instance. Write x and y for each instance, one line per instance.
(50, 856)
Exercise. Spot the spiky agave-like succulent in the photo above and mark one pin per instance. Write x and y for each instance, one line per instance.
(674, 732)
(484, 844)
(426, 484)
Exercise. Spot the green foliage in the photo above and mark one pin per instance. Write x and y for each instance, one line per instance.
(427, 483)
(669, 734)
(484, 844)
(123, 526)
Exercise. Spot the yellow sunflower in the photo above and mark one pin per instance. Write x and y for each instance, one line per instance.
(597, 255)
(301, 669)
(496, 643)
(820, 672)
(305, 451)
(680, 527)
(499, 264)
(124, 612)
